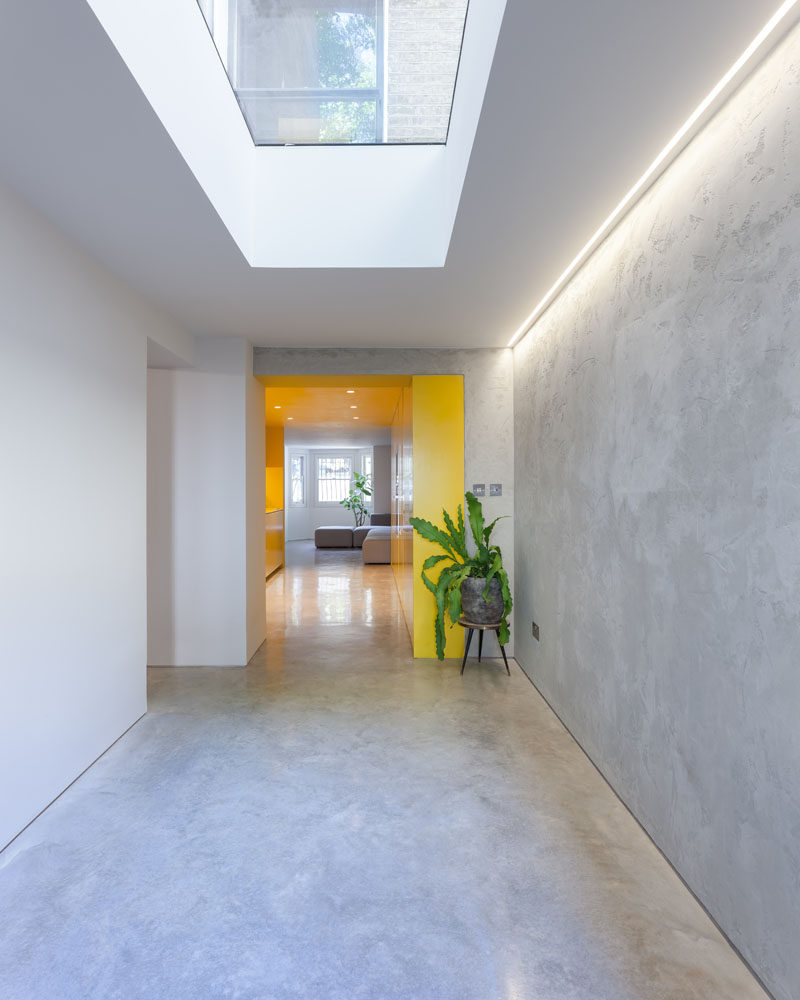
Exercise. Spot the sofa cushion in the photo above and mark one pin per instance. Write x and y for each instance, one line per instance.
(359, 534)
(384, 520)
(333, 536)
(377, 546)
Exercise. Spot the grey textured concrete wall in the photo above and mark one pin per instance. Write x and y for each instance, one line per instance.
(488, 412)
(657, 439)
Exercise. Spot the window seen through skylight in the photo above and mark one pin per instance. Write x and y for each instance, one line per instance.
(341, 71)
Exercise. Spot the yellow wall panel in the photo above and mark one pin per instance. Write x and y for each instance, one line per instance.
(437, 407)
(274, 464)
(274, 525)
(274, 535)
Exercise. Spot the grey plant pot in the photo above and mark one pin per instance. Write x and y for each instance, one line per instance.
(473, 607)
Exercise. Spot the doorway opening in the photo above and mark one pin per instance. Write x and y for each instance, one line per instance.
(404, 436)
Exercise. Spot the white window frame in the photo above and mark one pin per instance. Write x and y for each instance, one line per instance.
(364, 453)
(331, 453)
(296, 453)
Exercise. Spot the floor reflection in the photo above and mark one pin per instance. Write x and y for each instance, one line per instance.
(330, 587)
(334, 600)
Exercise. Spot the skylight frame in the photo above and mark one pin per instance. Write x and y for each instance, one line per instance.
(272, 203)
(380, 41)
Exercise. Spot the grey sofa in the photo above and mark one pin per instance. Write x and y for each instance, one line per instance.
(377, 546)
(333, 536)
(338, 536)
(375, 520)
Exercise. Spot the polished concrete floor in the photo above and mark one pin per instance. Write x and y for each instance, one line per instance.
(338, 822)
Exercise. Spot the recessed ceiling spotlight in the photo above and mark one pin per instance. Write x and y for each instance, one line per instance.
(351, 391)
(354, 407)
(276, 407)
(355, 418)
(290, 418)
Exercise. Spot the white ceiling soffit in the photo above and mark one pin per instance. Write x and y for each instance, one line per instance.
(299, 206)
(581, 98)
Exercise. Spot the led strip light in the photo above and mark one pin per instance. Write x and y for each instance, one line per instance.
(639, 187)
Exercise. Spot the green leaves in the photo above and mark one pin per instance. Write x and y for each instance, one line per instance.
(355, 501)
(454, 604)
(475, 517)
(505, 590)
(457, 564)
(434, 534)
(457, 534)
(488, 530)
(361, 484)
(431, 561)
(497, 563)
(504, 633)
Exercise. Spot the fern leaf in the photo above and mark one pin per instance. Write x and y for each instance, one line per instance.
(475, 517)
(454, 606)
(494, 569)
(438, 625)
(458, 542)
(505, 590)
(487, 531)
(431, 561)
(432, 534)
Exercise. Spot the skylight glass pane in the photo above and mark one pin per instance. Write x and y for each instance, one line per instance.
(341, 71)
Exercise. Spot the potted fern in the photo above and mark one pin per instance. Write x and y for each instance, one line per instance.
(474, 585)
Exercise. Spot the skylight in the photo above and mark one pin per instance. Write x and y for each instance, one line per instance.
(341, 72)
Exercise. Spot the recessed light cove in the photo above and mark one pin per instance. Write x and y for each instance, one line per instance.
(640, 186)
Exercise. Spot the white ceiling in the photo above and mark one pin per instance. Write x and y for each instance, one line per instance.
(295, 207)
(581, 97)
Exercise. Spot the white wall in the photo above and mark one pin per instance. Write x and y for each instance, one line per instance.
(256, 625)
(205, 511)
(73, 347)
(382, 478)
(324, 436)
(209, 130)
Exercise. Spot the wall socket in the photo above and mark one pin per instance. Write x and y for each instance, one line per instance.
(535, 631)
(495, 489)
(479, 489)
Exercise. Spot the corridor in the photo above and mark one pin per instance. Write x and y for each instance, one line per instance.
(340, 822)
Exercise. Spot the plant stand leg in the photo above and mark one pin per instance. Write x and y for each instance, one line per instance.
(466, 650)
(480, 644)
(503, 651)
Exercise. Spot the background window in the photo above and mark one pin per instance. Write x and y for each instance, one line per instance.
(297, 480)
(334, 473)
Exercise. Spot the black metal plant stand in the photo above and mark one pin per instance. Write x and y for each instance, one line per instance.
(480, 629)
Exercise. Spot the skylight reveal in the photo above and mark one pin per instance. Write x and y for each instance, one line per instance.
(341, 71)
